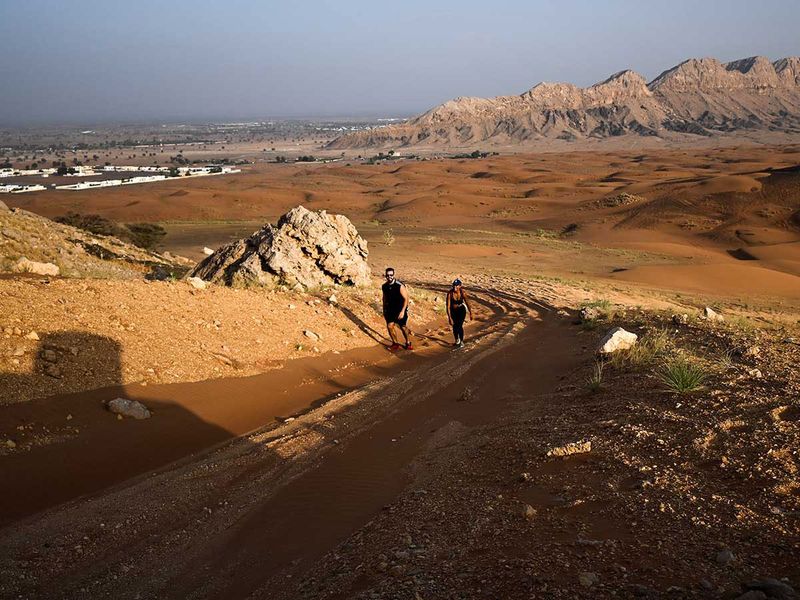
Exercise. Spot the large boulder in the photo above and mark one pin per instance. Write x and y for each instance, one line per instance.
(308, 248)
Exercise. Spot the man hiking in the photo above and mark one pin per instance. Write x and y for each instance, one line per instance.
(457, 308)
(395, 310)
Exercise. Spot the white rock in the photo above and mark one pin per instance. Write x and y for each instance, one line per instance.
(332, 299)
(711, 315)
(197, 283)
(572, 448)
(208, 251)
(32, 336)
(24, 265)
(617, 339)
(311, 335)
(128, 408)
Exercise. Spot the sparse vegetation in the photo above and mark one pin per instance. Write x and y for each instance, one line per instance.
(682, 375)
(595, 380)
(388, 237)
(144, 235)
(650, 349)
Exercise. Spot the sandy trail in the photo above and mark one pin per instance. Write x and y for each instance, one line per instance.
(232, 521)
(190, 417)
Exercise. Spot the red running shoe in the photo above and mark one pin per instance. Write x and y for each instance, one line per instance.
(409, 346)
(394, 347)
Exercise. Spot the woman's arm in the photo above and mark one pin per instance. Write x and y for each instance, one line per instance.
(447, 304)
(466, 303)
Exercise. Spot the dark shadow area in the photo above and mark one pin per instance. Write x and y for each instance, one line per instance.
(364, 327)
(68, 446)
(741, 254)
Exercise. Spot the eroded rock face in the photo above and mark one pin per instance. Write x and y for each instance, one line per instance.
(308, 248)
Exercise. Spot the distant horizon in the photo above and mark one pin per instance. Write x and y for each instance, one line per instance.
(90, 62)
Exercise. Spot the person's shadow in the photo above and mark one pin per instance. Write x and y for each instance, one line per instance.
(59, 442)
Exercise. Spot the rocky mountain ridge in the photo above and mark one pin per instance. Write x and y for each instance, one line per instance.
(698, 97)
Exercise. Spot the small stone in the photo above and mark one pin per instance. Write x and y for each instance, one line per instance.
(32, 336)
(69, 417)
(53, 371)
(725, 557)
(571, 448)
(18, 351)
(587, 579)
(617, 339)
(128, 408)
(524, 477)
(773, 588)
(292, 307)
(528, 512)
(755, 373)
(11, 444)
(682, 319)
(588, 314)
(311, 335)
(711, 315)
(49, 355)
(332, 299)
(207, 251)
(197, 283)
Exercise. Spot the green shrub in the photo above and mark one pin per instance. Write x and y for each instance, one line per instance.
(681, 375)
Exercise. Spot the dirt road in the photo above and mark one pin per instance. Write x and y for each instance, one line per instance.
(249, 516)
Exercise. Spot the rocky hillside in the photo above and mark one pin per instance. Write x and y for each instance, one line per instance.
(33, 244)
(699, 97)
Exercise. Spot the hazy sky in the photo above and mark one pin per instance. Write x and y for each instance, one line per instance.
(90, 61)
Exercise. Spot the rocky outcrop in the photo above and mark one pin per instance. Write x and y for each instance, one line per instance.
(697, 97)
(307, 249)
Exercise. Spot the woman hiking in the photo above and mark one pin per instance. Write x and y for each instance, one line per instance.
(457, 309)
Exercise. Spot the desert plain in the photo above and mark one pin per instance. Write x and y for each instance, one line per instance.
(289, 454)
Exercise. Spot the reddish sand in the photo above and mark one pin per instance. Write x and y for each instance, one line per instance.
(706, 207)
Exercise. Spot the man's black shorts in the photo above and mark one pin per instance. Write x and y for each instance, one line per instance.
(393, 319)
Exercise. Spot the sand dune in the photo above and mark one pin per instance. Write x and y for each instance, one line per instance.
(700, 206)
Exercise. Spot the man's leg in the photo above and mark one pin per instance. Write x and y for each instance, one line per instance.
(406, 333)
(390, 327)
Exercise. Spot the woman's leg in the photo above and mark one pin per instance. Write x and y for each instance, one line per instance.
(458, 324)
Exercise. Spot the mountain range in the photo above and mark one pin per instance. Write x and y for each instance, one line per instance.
(698, 97)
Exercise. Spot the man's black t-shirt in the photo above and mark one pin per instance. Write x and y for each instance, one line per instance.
(392, 300)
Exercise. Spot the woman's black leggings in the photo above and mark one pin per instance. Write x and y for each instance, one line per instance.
(458, 315)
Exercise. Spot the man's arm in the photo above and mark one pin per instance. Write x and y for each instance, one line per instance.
(404, 295)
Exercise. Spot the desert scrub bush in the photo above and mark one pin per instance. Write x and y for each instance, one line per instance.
(388, 237)
(595, 381)
(682, 375)
(595, 311)
(651, 348)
